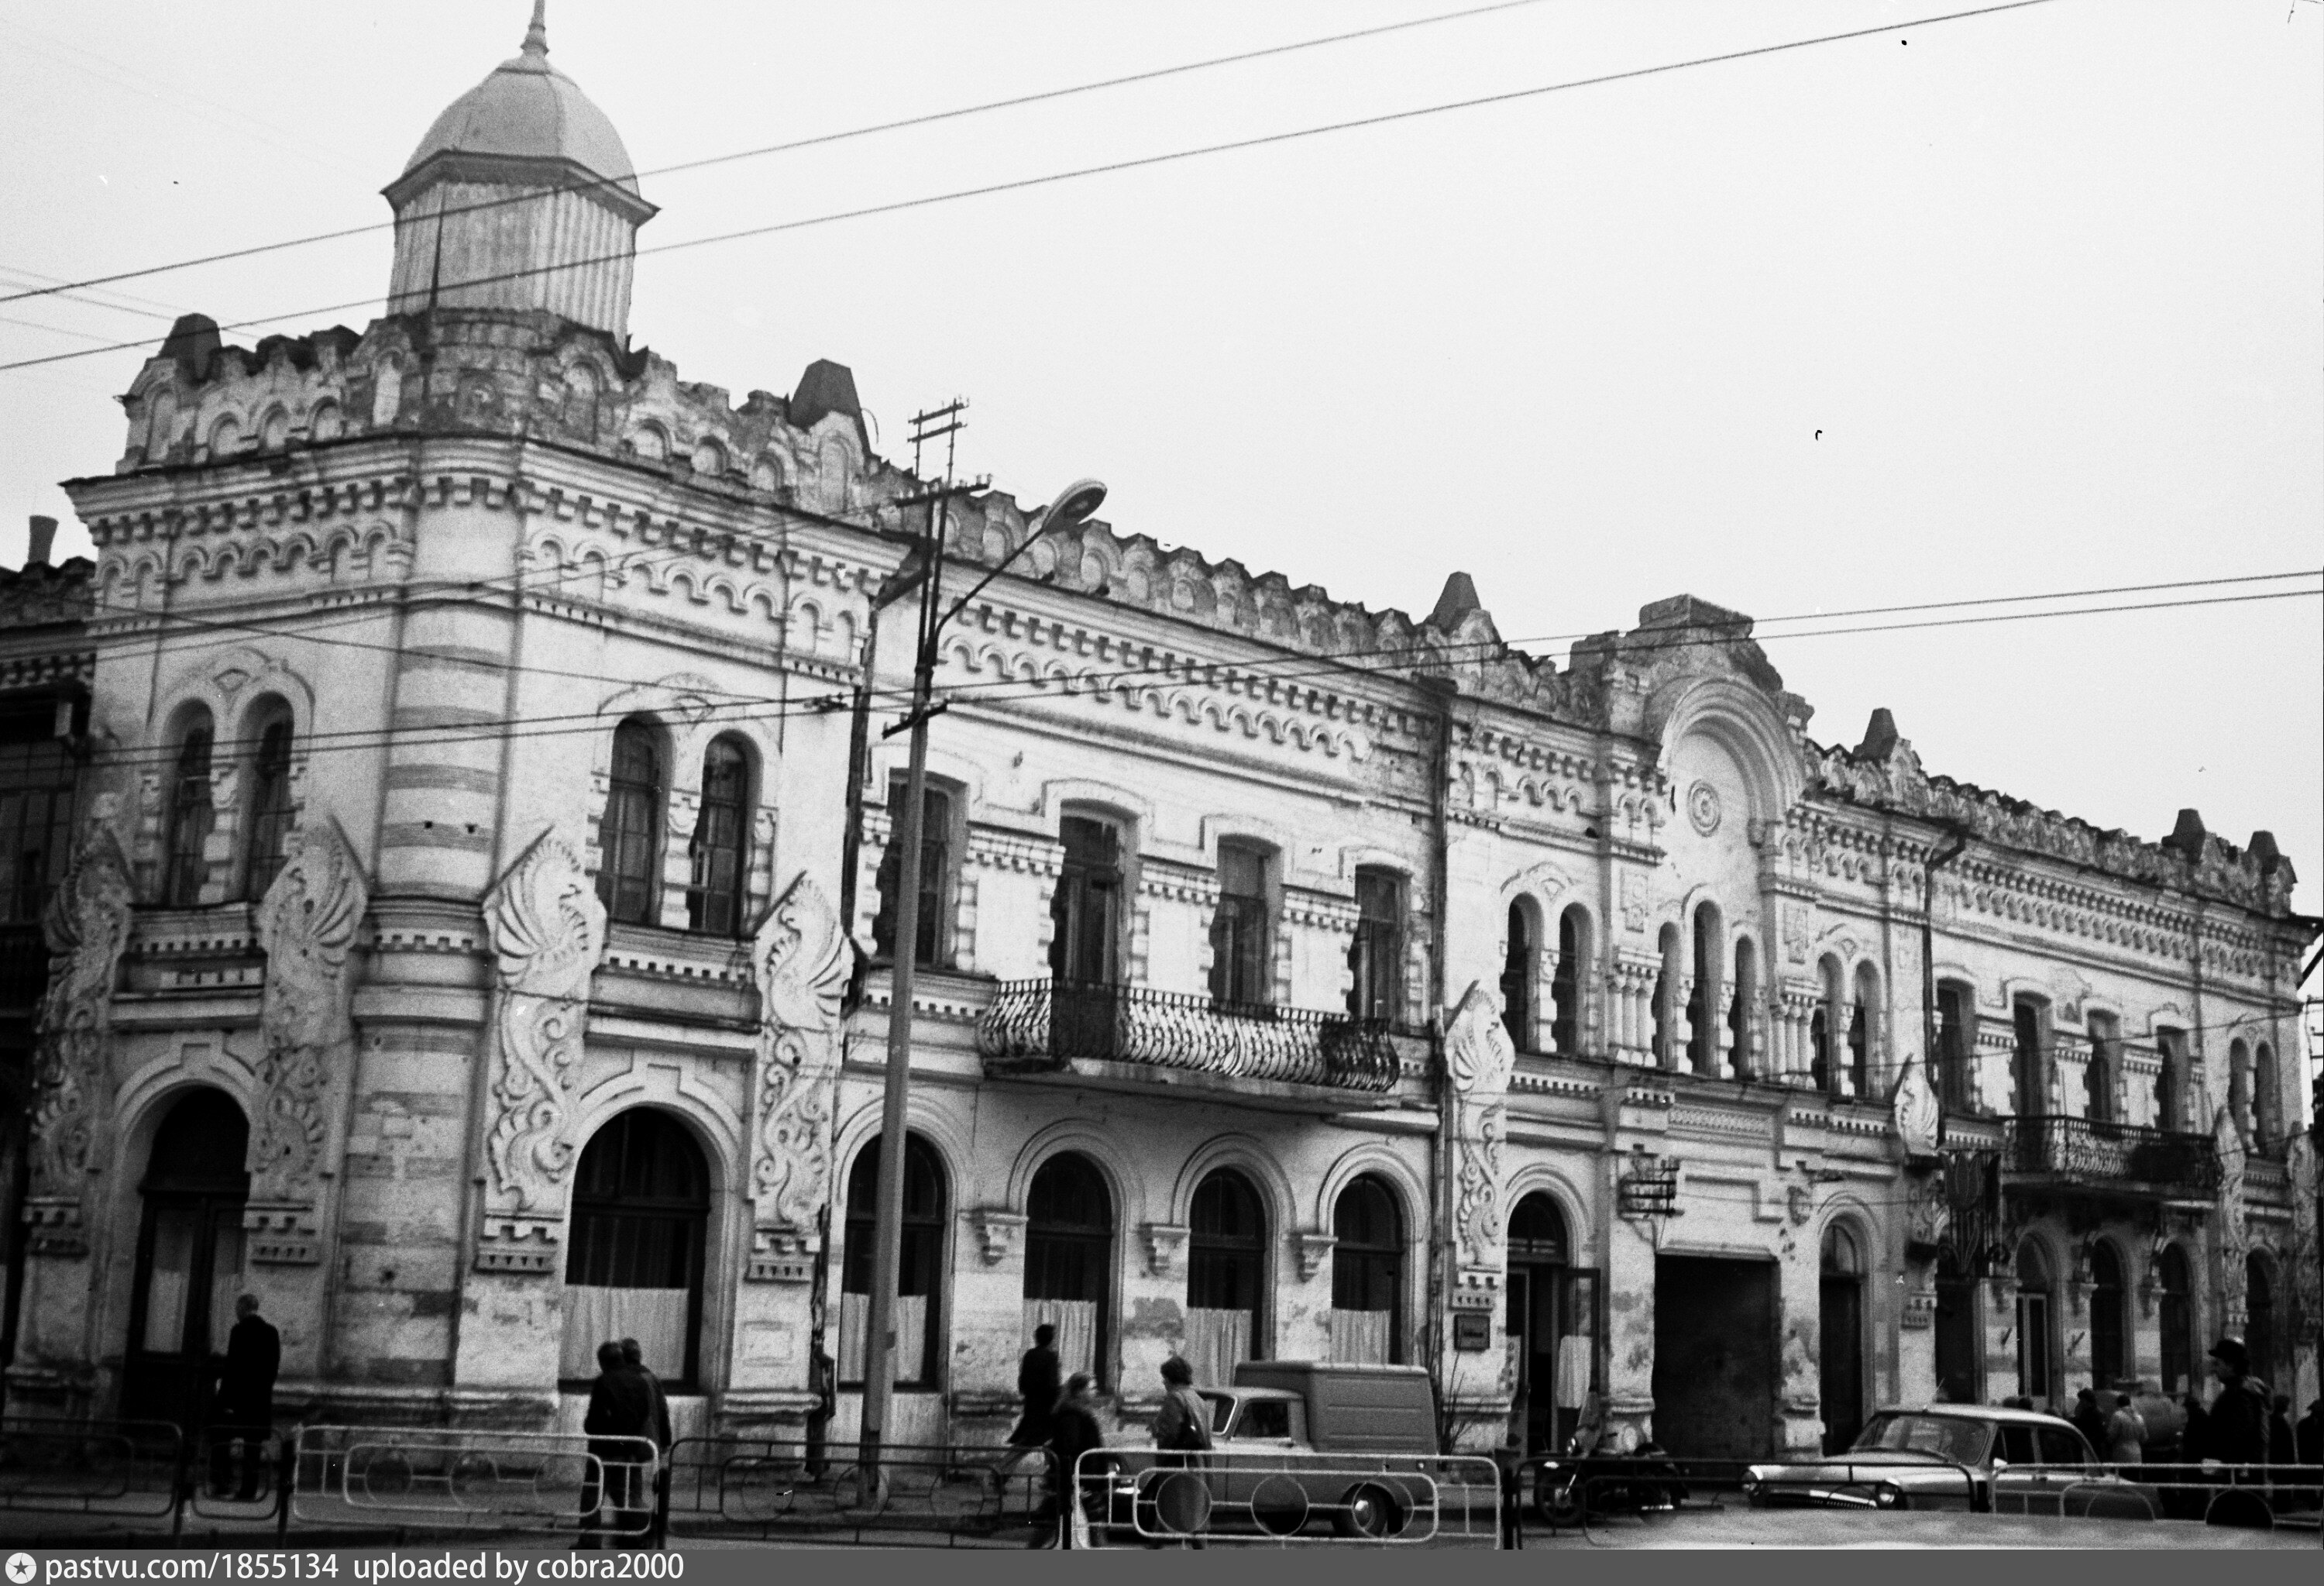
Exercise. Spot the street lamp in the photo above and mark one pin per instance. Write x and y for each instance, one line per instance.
(1075, 504)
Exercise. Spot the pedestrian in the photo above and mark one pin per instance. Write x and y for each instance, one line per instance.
(2089, 1419)
(1038, 1391)
(633, 1356)
(1182, 1429)
(2126, 1433)
(2308, 1438)
(1073, 1432)
(2279, 1432)
(2237, 1427)
(245, 1410)
(621, 1407)
(823, 1381)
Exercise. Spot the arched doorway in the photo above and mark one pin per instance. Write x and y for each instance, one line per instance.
(1957, 1337)
(1368, 1275)
(2109, 1363)
(189, 1258)
(633, 1263)
(1550, 1325)
(1226, 1269)
(2259, 1325)
(2036, 1376)
(2175, 1305)
(919, 1354)
(1069, 1260)
(1839, 1327)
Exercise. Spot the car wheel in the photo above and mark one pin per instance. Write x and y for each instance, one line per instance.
(1369, 1511)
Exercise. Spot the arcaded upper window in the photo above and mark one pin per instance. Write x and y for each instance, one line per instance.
(630, 882)
(268, 842)
(719, 856)
(191, 814)
(1238, 930)
(1376, 960)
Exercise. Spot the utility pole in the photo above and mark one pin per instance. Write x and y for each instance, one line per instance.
(887, 1228)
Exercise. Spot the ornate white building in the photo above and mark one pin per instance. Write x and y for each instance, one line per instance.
(457, 950)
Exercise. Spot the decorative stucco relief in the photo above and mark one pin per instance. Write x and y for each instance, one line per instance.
(802, 962)
(1480, 1060)
(87, 927)
(2235, 1240)
(1917, 1114)
(548, 930)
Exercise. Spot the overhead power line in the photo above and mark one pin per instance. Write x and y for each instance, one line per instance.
(1007, 689)
(818, 140)
(1115, 167)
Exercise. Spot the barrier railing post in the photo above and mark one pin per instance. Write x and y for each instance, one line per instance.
(286, 1468)
(181, 1488)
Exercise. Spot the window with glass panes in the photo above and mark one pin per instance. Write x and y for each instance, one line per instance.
(1955, 1021)
(718, 857)
(1376, 959)
(1368, 1275)
(36, 814)
(269, 843)
(641, 1209)
(629, 883)
(931, 935)
(1085, 909)
(919, 1358)
(191, 816)
(1238, 937)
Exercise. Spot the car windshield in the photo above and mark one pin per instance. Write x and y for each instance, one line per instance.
(1942, 1437)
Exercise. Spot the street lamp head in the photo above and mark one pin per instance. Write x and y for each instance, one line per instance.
(1077, 503)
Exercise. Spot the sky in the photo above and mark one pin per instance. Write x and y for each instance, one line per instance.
(2007, 304)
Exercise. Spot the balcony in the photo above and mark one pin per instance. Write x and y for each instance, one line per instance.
(1038, 1025)
(2080, 1153)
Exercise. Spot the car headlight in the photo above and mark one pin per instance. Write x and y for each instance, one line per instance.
(1885, 1497)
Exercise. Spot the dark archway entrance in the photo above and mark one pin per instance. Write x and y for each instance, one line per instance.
(1551, 1325)
(1069, 1261)
(1840, 1328)
(189, 1258)
(1957, 1332)
(1715, 1352)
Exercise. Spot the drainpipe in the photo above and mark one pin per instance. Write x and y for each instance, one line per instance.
(1957, 846)
(1441, 690)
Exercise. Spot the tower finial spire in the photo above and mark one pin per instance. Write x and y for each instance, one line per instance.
(536, 37)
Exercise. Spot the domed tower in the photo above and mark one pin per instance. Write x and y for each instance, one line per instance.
(520, 196)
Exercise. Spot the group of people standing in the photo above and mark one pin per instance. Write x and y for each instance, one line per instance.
(626, 1401)
(1062, 1419)
(2241, 1425)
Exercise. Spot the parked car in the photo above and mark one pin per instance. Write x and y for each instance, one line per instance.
(1980, 1457)
(1301, 1443)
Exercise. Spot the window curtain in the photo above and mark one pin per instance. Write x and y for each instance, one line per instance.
(655, 1317)
(911, 1336)
(1215, 1342)
(1360, 1338)
(1076, 1324)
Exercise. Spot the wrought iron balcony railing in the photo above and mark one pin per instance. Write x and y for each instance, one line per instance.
(1046, 1023)
(2118, 1156)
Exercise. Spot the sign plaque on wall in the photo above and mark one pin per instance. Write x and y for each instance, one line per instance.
(1472, 1331)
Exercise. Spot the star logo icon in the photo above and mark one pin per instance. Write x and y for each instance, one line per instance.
(21, 1569)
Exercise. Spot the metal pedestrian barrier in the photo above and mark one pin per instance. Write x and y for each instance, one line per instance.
(445, 1478)
(103, 1470)
(2259, 1496)
(942, 1495)
(1582, 1494)
(1145, 1496)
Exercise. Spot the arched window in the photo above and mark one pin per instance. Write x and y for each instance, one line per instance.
(2171, 1080)
(1840, 1331)
(1863, 1030)
(1823, 1026)
(919, 1354)
(719, 856)
(191, 814)
(1743, 1009)
(1376, 958)
(1226, 1268)
(189, 1258)
(1069, 1260)
(2035, 1353)
(1956, 1033)
(2098, 1074)
(2259, 1320)
(2029, 1061)
(931, 930)
(633, 1268)
(1242, 958)
(36, 814)
(2175, 1303)
(2239, 1088)
(2267, 1128)
(268, 842)
(1704, 1013)
(1518, 970)
(1565, 986)
(1667, 1011)
(1368, 1275)
(630, 882)
(2109, 1363)
(1549, 1324)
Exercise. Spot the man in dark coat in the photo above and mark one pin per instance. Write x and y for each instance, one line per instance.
(1073, 1432)
(245, 1397)
(2279, 1433)
(2089, 1420)
(1038, 1385)
(2236, 1431)
(633, 1356)
(621, 1405)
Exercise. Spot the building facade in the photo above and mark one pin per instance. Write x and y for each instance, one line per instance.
(477, 940)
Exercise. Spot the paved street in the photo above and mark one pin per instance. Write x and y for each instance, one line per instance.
(1746, 1527)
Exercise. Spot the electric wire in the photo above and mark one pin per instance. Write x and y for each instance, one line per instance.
(597, 183)
(1108, 168)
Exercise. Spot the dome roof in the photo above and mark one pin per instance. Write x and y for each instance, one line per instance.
(528, 109)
